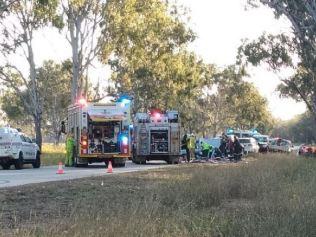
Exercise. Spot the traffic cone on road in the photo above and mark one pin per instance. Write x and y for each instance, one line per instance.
(60, 168)
(110, 168)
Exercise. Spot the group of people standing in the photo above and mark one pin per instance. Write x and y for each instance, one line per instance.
(231, 148)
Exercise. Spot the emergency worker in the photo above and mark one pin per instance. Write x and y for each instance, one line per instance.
(230, 148)
(238, 148)
(223, 145)
(70, 144)
(187, 148)
(206, 149)
(191, 146)
(184, 144)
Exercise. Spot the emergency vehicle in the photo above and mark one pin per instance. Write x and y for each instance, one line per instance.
(156, 136)
(101, 132)
(17, 149)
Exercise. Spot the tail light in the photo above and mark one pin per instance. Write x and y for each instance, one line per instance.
(84, 144)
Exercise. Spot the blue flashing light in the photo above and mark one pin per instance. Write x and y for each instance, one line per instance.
(124, 140)
(131, 126)
(230, 130)
(125, 101)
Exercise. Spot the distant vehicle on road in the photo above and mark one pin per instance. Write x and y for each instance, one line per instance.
(17, 149)
(306, 150)
(263, 142)
(280, 145)
(250, 145)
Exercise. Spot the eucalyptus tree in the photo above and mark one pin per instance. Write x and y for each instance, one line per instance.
(295, 49)
(18, 25)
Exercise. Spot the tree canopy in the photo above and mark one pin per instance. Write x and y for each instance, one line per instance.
(283, 50)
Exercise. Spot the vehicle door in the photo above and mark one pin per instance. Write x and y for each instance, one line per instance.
(31, 148)
(25, 148)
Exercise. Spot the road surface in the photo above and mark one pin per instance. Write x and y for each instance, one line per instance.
(10, 178)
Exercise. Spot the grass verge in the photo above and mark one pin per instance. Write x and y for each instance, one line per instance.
(272, 196)
(52, 154)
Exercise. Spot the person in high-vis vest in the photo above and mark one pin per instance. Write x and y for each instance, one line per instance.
(206, 150)
(191, 146)
(70, 144)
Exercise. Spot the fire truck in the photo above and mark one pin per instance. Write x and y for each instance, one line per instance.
(102, 132)
(156, 136)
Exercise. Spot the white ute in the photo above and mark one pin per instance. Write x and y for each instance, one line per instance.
(17, 149)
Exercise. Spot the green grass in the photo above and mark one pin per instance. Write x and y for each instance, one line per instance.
(52, 154)
(272, 195)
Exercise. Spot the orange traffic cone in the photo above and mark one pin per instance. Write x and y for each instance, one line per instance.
(60, 168)
(110, 168)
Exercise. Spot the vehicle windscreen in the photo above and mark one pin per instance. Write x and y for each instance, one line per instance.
(244, 141)
(214, 142)
(262, 139)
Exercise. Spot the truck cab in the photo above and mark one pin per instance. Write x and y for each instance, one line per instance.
(101, 132)
(156, 137)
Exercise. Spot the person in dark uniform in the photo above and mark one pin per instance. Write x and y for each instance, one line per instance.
(238, 149)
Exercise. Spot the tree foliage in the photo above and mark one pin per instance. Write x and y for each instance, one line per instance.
(299, 129)
(18, 25)
(233, 102)
(279, 50)
(53, 83)
(83, 21)
(145, 44)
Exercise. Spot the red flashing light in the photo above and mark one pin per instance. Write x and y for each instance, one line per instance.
(82, 101)
(157, 115)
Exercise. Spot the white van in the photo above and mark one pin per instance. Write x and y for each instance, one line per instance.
(17, 149)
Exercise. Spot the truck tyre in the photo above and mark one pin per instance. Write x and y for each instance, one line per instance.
(37, 162)
(173, 160)
(6, 166)
(77, 164)
(135, 159)
(18, 164)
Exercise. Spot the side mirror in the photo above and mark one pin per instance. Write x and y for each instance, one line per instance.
(33, 140)
(63, 127)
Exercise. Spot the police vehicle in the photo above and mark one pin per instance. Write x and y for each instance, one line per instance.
(17, 149)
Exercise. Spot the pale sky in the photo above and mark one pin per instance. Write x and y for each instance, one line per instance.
(220, 25)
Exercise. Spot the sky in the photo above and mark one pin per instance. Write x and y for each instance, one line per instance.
(220, 25)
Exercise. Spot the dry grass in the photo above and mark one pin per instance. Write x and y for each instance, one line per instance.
(52, 154)
(272, 196)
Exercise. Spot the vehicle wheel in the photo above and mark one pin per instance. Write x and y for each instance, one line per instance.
(122, 165)
(77, 164)
(6, 166)
(18, 164)
(37, 162)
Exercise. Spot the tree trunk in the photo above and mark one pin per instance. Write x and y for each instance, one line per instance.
(38, 130)
(57, 138)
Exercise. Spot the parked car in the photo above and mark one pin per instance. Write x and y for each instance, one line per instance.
(263, 142)
(280, 145)
(307, 150)
(17, 149)
(250, 145)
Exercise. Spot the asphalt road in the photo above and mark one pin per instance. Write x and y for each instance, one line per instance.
(28, 175)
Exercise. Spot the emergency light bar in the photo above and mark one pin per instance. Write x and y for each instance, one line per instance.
(82, 102)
